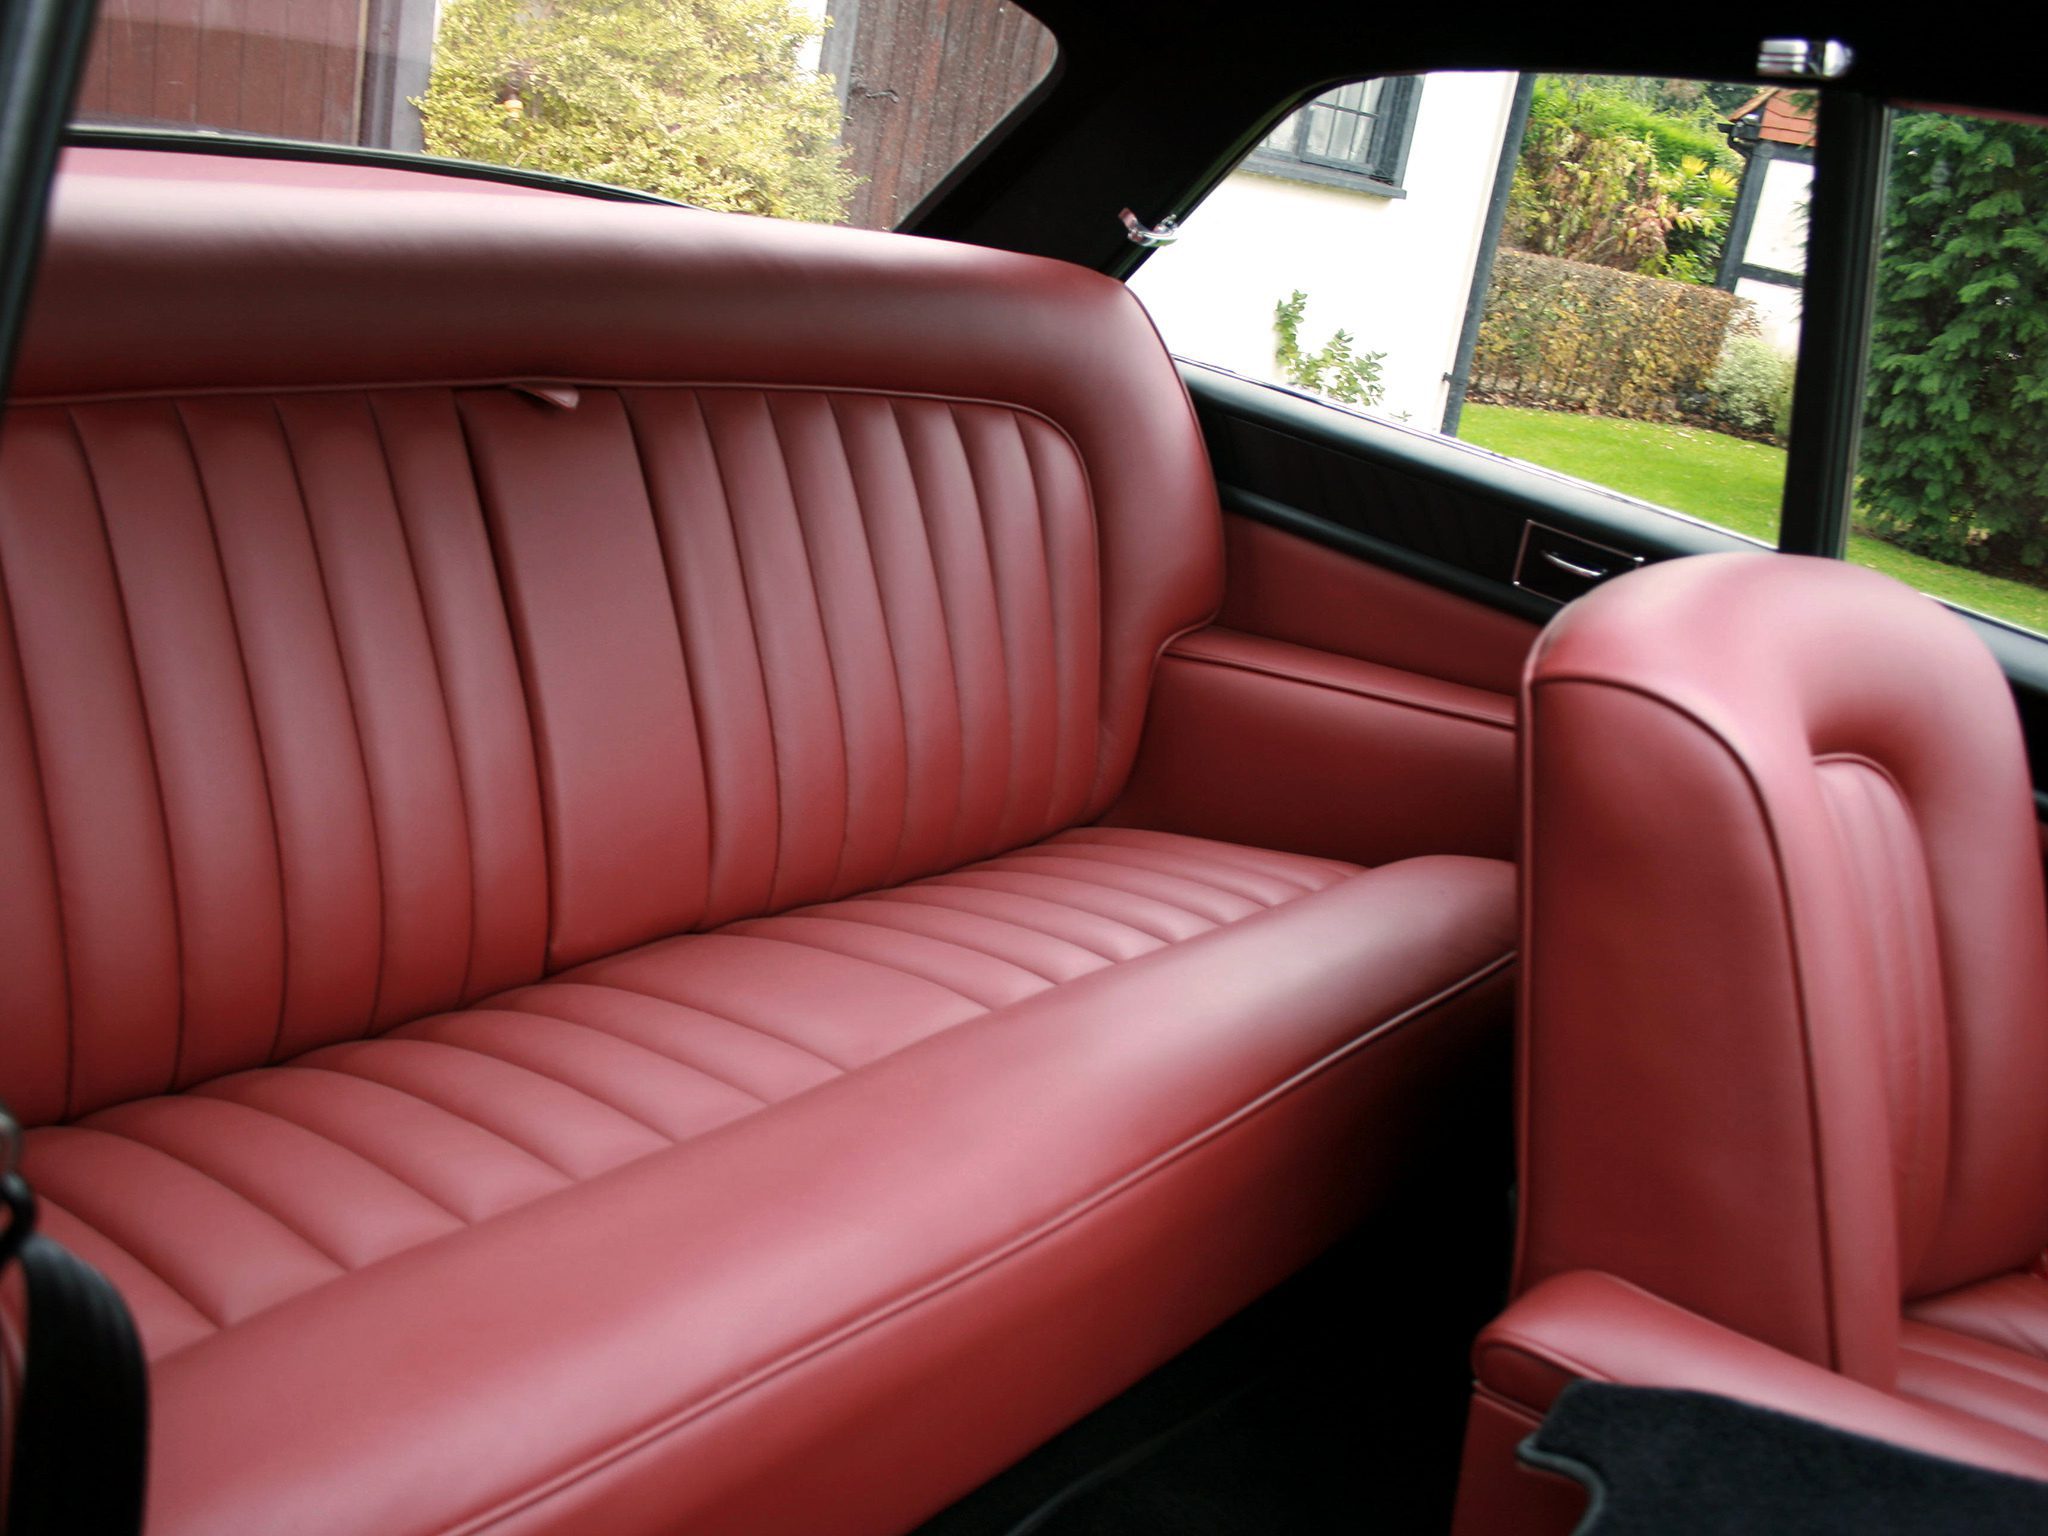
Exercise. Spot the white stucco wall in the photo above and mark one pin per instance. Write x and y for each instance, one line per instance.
(1777, 312)
(1778, 239)
(1395, 272)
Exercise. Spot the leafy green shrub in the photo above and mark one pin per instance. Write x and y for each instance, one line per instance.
(1609, 108)
(1336, 371)
(698, 100)
(1752, 386)
(1955, 441)
(1564, 335)
(1610, 181)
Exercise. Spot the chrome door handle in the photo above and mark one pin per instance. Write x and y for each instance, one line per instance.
(1583, 572)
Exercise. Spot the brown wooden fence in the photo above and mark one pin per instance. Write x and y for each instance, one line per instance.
(923, 81)
(337, 71)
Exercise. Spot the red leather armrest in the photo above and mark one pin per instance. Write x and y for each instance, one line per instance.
(1258, 741)
(1601, 1328)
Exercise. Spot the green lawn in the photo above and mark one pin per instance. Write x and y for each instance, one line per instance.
(1719, 479)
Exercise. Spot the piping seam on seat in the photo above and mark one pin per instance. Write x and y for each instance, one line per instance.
(631, 1445)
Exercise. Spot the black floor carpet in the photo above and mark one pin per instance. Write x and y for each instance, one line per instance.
(1336, 1404)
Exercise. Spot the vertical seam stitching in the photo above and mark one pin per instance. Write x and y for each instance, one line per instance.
(1062, 710)
(529, 684)
(842, 1067)
(822, 915)
(204, 1314)
(619, 1038)
(739, 558)
(1106, 855)
(220, 1183)
(675, 613)
(824, 644)
(889, 872)
(440, 687)
(35, 742)
(227, 590)
(948, 848)
(348, 690)
(1042, 853)
(163, 813)
(752, 930)
(519, 1066)
(995, 592)
(569, 1179)
(973, 874)
(901, 895)
(201, 1095)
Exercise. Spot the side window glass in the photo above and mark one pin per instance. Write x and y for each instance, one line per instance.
(835, 111)
(1952, 475)
(1599, 276)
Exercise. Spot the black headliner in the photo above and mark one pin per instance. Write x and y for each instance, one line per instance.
(1155, 99)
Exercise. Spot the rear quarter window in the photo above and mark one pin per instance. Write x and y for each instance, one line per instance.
(836, 111)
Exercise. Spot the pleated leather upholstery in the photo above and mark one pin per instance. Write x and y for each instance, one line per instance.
(779, 646)
(550, 934)
(270, 777)
(355, 1152)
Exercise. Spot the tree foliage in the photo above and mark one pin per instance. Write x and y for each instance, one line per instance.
(1609, 180)
(1953, 463)
(1679, 118)
(699, 100)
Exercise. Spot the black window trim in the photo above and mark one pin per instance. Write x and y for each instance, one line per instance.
(1393, 132)
(1847, 210)
(42, 53)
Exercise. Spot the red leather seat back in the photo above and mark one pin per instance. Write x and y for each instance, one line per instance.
(266, 776)
(1786, 992)
(413, 589)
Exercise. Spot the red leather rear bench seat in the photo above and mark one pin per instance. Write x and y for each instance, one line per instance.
(551, 935)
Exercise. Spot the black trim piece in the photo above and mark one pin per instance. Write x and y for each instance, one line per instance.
(1523, 490)
(1153, 110)
(1504, 167)
(81, 1448)
(1776, 275)
(1827, 396)
(1385, 163)
(1743, 221)
(1263, 162)
(42, 51)
(1404, 562)
(2024, 658)
(303, 151)
(1683, 1463)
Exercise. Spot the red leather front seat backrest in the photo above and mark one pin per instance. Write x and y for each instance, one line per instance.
(1785, 1035)
(412, 588)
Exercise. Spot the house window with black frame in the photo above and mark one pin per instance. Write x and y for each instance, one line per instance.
(1355, 136)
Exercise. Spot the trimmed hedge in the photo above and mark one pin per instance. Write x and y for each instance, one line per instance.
(1566, 336)
(1955, 443)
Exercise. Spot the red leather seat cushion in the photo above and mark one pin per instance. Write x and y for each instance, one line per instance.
(533, 1258)
(1982, 1348)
